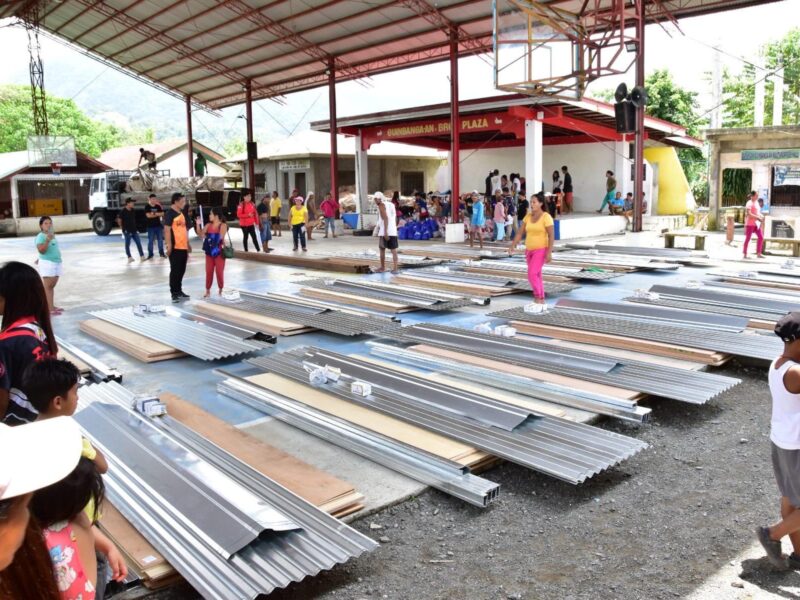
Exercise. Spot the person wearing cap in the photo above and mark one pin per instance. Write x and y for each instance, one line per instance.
(387, 231)
(298, 219)
(478, 220)
(31, 469)
(176, 235)
(127, 221)
(784, 387)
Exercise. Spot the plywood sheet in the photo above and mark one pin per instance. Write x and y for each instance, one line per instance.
(250, 320)
(365, 301)
(369, 419)
(570, 382)
(464, 288)
(137, 551)
(682, 352)
(138, 346)
(83, 368)
(317, 487)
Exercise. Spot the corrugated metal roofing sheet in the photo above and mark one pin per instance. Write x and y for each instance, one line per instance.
(274, 560)
(206, 49)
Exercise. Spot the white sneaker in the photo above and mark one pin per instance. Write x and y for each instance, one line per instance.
(130, 259)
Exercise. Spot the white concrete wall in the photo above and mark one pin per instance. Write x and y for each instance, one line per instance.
(178, 165)
(476, 164)
(61, 223)
(587, 163)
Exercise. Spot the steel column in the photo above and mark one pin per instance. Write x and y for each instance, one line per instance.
(332, 112)
(638, 160)
(189, 135)
(251, 165)
(455, 127)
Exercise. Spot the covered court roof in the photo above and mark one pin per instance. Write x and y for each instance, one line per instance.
(498, 121)
(208, 49)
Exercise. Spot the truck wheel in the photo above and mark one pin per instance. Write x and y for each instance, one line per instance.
(101, 223)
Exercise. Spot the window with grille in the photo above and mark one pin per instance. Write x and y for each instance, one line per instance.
(411, 181)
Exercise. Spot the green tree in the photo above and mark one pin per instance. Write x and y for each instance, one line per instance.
(234, 146)
(64, 118)
(739, 88)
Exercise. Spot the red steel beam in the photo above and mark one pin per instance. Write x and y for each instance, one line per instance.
(332, 117)
(225, 23)
(455, 128)
(385, 64)
(158, 37)
(480, 39)
(189, 141)
(69, 21)
(251, 163)
(102, 24)
(394, 25)
(638, 177)
(149, 18)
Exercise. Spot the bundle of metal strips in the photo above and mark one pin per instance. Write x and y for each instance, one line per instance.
(744, 344)
(204, 338)
(100, 371)
(443, 475)
(651, 314)
(668, 302)
(694, 387)
(312, 542)
(611, 260)
(427, 300)
(571, 273)
(759, 278)
(569, 451)
(325, 319)
(662, 253)
(482, 279)
(406, 262)
(524, 386)
(715, 298)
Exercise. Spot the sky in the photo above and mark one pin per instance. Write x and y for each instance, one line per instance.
(687, 53)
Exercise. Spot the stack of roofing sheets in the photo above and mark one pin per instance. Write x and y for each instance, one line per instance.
(564, 449)
(678, 255)
(754, 278)
(586, 371)
(344, 263)
(761, 312)
(518, 269)
(177, 332)
(476, 283)
(384, 297)
(662, 331)
(286, 315)
(228, 529)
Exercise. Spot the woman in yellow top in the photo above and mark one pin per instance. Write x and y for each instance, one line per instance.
(298, 219)
(539, 235)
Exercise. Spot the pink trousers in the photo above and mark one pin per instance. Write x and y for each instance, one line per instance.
(535, 260)
(749, 230)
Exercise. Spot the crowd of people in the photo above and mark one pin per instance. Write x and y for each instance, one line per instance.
(50, 502)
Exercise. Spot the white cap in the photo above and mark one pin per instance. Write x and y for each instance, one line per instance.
(37, 454)
(475, 192)
(378, 196)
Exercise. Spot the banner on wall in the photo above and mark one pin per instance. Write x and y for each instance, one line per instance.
(786, 175)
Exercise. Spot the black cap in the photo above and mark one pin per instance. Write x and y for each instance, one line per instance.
(176, 196)
(788, 327)
(127, 200)
(152, 196)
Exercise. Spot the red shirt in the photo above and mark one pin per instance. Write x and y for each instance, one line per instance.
(246, 213)
(329, 208)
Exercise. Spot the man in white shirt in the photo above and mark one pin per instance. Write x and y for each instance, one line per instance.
(387, 231)
(784, 386)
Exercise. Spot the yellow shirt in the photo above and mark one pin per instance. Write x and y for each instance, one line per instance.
(298, 216)
(536, 233)
(275, 207)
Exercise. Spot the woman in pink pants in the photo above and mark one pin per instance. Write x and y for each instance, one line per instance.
(752, 218)
(539, 235)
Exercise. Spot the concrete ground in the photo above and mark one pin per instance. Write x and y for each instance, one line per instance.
(675, 521)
